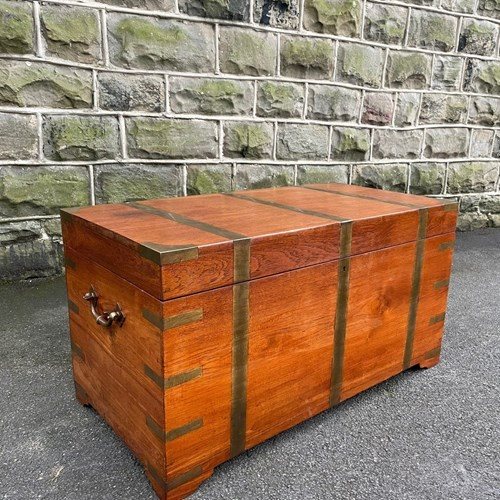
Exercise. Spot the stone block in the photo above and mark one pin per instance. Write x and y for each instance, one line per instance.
(478, 37)
(447, 74)
(443, 108)
(277, 13)
(310, 58)
(17, 29)
(207, 179)
(397, 143)
(482, 77)
(408, 70)
(446, 142)
(71, 32)
(26, 83)
(264, 176)
(37, 190)
(19, 135)
(432, 30)
(211, 96)
(68, 138)
(466, 6)
(161, 5)
(489, 8)
(385, 23)
(378, 108)
(322, 174)
(485, 111)
(128, 92)
(169, 138)
(392, 177)
(407, 108)
(326, 102)
(337, 17)
(482, 143)
(160, 44)
(427, 178)
(247, 52)
(472, 177)
(350, 144)
(248, 140)
(236, 10)
(302, 142)
(472, 220)
(280, 99)
(26, 251)
(360, 64)
(130, 182)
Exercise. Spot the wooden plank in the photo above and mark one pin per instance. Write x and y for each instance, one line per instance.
(291, 334)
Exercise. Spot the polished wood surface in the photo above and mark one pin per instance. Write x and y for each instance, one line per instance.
(288, 228)
(283, 303)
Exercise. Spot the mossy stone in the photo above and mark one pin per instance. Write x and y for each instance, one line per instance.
(478, 37)
(350, 144)
(313, 174)
(39, 84)
(427, 178)
(161, 44)
(248, 140)
(263, 176)
(487, 77)
(472, 177)
(16, 27)
(431, 30)
(360, 64)
(211, 96)
(280, 99)
(167, 138)
(120, 183)
(338, 17)
(208, 179)
(306, 57)
(385, 23)
(80, 138)
(408, 70)
(39, 190)
(247, 52)
(72, 32)
(392, 177)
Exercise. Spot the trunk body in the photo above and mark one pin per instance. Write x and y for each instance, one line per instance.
(248, 313)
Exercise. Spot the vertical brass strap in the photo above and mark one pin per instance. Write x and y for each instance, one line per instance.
(415, 287)
(239, 372)
(241, 262)
(341, 313)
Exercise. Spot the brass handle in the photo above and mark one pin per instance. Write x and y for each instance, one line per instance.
(104, 318)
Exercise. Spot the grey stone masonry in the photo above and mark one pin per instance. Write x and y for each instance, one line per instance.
(107, 101)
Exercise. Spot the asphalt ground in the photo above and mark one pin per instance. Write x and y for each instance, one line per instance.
(425, 434)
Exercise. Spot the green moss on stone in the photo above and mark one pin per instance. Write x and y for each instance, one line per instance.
(339, 17)
(71, 25)
(216, 89)
(362, 64)
(489, 74)
(307, 53)
(208, 180)
(275, 92)
(42, 189)
(16, 28)
(248, 140)
(409, 70)
(44, 85)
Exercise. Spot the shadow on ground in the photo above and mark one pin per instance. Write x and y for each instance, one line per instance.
(431, 434)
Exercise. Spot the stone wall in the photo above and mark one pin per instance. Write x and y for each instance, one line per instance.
(105, 102)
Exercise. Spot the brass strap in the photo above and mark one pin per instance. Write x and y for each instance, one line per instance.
(437, 319)
(441, 284)
(178, 480)
(366, 197)
(174, 380)
(239, 368)
(77, 350)
(167, 254)
(286, 207)
(341, 314)
(415, 286)
(73, 307)
(69, 262)
(447, 245)
(163, 435)
(241, 243)
(433, 353)
(172, 321)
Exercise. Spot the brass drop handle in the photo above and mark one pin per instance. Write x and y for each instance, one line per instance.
(104, 318)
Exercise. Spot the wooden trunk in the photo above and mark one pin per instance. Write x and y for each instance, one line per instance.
(247, 313)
